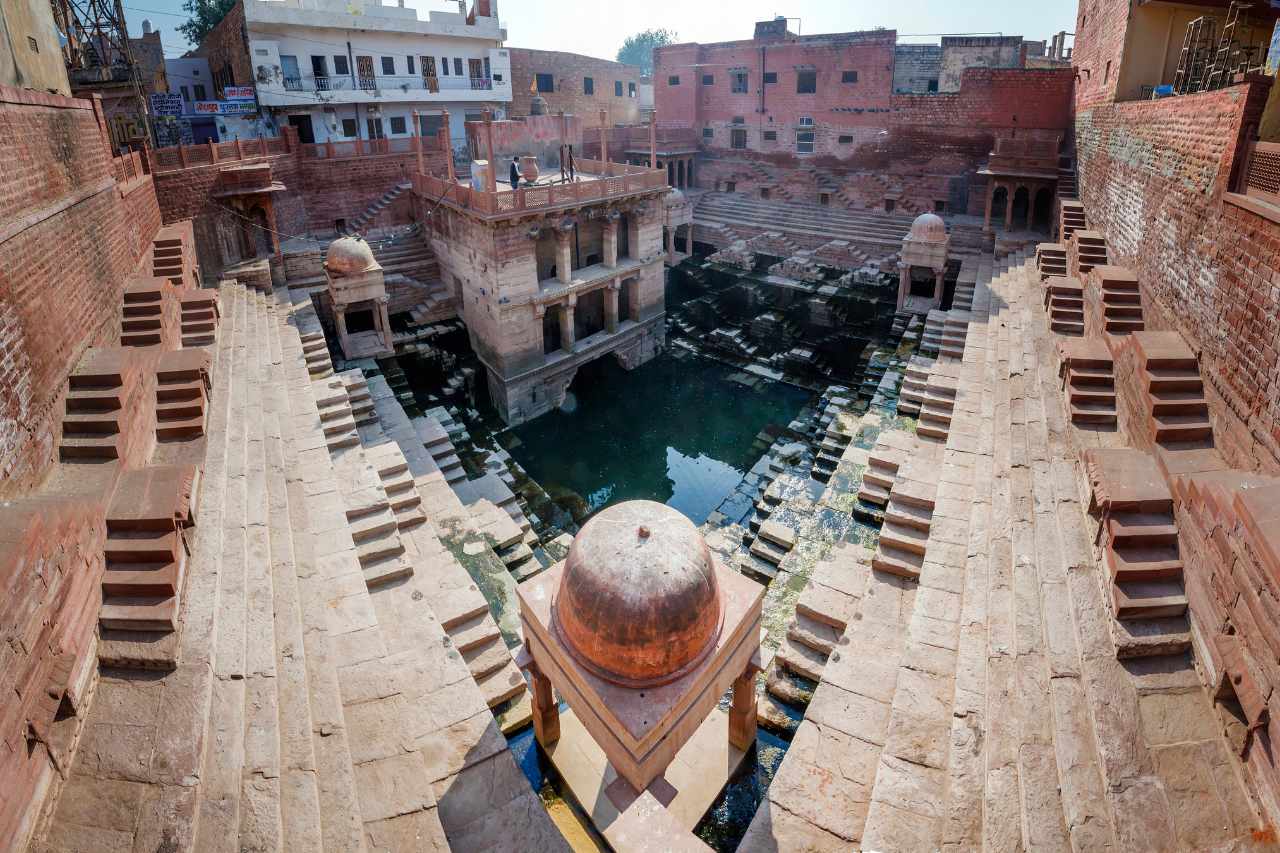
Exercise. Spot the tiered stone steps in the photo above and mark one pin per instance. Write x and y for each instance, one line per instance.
(358, 396)
(182, 387)
(435, 437)
(1051, 260)
(1088, 378)
(1064, 300)
(1115, 301)
(167, 259)
(1086, 250)
(199, 317)
(892, 450)
(810, 225)
(931, 338)
(91, 423)
(1168, 406)
(915, 383)
(370, 214)
(142, 313)
(1071, 219)
(954, 331)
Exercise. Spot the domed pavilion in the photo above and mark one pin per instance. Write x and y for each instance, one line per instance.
(641, 631)
(923, 265)
(358, 298)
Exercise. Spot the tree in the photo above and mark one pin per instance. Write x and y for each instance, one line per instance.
(638, 49)
(205, 15)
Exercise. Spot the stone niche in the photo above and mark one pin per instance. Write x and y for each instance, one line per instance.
(923, 264)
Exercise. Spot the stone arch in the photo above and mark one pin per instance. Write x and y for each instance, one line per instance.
(999, 204)
(1042, 210)
(1021, 207)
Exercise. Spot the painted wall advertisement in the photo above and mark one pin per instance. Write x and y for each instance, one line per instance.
(225, 108)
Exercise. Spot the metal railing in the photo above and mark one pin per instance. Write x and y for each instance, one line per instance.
(385, 83)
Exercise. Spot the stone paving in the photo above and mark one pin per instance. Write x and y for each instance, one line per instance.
(982, 706)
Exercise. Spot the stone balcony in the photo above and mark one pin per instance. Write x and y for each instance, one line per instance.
(586, 278)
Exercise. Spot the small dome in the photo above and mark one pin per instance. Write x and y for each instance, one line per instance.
(928, 228)
(349, 256)
(638, 603)
(675, 198)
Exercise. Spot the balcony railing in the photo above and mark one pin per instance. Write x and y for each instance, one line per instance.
(386, 83)
(599, 181)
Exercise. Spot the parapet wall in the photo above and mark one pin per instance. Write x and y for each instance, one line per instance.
(70, 233)
(1154, 177)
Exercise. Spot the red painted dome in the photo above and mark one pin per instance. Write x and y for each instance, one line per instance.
(929, 228)
(349, 256)
(638, 603)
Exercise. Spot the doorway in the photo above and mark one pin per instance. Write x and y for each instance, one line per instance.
(302, 123)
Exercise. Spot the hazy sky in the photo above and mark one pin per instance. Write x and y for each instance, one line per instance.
(598, 28)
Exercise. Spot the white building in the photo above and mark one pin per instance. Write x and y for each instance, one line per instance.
(341, 69)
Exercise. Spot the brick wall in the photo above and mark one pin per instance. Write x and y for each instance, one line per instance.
(227, 48)
(1101, 27)
(68, 239)
(1153, 176)
(568, 71)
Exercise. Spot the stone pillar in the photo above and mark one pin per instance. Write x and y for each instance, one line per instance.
(1008, 211)
(904, 284)
(604, 136)
(688, 174)
(492, 183)
(448, 144)
(566, 324)
(417, 141)
(564, 255)
(742, 713)
(611, 291)
(991, 197)
(340, 319)
(546, 715)
(611, 241)
(668, 235)
(939, 285)
(653, 139)
(384, 322)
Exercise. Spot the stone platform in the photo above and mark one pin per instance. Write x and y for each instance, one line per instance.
(691, 784)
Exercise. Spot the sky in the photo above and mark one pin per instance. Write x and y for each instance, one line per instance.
(598, 28)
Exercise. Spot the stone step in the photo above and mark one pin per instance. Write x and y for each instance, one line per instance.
(902, 537)
(895, 561)
(813, 634)
(475, 632)
(757, 568)
(904, 514)
(1142, 530)
(1173, 379)
(768, 551)
(1144, 563)
(1148, 599)
(1183, 403)
(800, 659)
(1182, 427)
(874, 493)
(151, 613)
(503, 684)
(385, 569)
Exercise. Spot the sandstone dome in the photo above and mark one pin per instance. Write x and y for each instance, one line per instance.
(349, 256)
(928, 228)
(638, 604)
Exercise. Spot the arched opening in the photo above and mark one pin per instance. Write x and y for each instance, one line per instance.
(680, 173)
(261, 233)
(551, 330)
(923, 282)
(999, 201)
(629, 300)
(1042, 212)
(1021, 207)
(588, 316)
(671, 173)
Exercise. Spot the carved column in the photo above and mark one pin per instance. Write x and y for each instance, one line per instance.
(448, 144)
(1008, 211)
(668, 234)
(611, 305)
(904, 284)
(611, 239)
(938, 285)
(340, 319)
(546, 715)
(991, 197)
(742, 713)
(566, 324)
(564, 254)
(540, 312)
(384, 322)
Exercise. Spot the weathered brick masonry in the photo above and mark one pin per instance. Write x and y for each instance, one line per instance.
(568, 72)
(1154, 177)
(69, 236)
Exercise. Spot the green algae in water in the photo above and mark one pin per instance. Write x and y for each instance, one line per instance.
(677, 430)
(724, 824)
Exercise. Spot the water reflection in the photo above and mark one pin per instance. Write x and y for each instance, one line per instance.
(679, 430)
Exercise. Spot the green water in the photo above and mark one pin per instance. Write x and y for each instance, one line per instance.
(679, 430)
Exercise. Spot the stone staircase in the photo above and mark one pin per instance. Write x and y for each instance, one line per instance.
(1085, 250)
(1165, 400)
(1088, 380)
(1051, 260)
(1071, 219)
(982, 705)
(367, 217)
(808, 225)
(1115, 301)
(1064, 300)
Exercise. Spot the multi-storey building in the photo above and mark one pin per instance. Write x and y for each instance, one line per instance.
(582, 85)
(340, 71)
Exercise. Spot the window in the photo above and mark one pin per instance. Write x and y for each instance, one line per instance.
(708, 80)
(771, 136)
(388, 65)
(432, 125)
(770, 77)
(738, 82)
(349, 127)
(673, 80)
(292, 76)
(428, 67)
(186, 96)
(848, 76)
(939, 207)
(739, 120)
(824, 198)
(198, 89)
(806, 82)
(631, 90)
(588, 86)
(846, 139)
(375, 128)
(764, 193)
(806, 121)
(738, 139)
(409, 61)
(933, 85)
(708, 133)
(804, 141)
(457, 66)
(731, 186)
(546, 83)
(397, 124)
(340, 65)
(444, 65)
(617, 88)
(889, 205)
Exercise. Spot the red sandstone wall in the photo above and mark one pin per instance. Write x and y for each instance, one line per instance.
(1152, 177)
(227, 48)
(68, 240)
